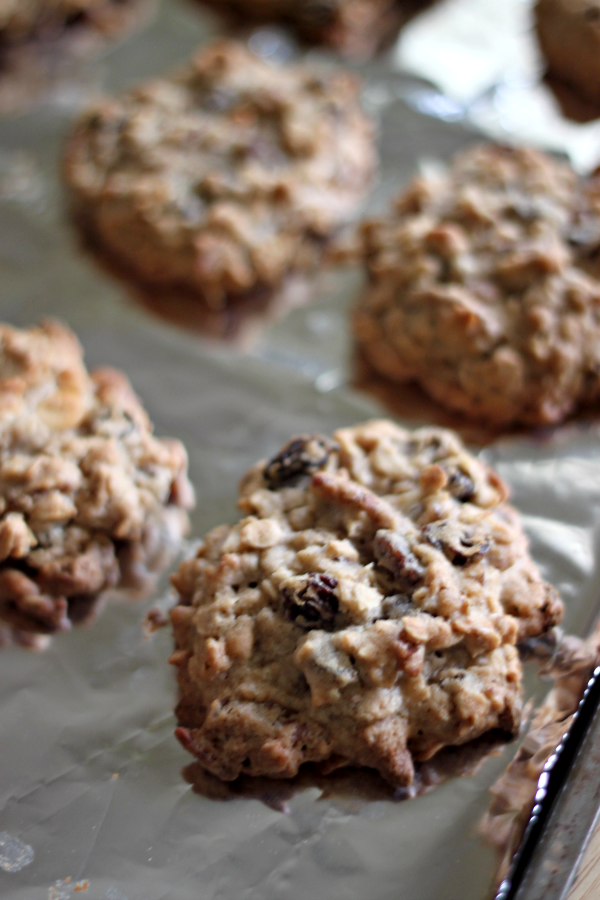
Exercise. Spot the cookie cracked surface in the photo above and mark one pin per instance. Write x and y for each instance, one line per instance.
(481, 288)
(87, 494)
(364, 611)
(224, 178)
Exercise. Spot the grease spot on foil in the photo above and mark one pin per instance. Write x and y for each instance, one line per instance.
(21, 180)
(14, 853)
(113, 893)
(62, 890)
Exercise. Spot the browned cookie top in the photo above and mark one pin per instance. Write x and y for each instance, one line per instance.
(225, 176)
(477, 290)
(82, 478)
(365, 610)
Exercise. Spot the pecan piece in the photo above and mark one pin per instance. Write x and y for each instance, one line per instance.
(462, 543)
(340, 490)
(301, 456)
(310, 601)
(393, 553)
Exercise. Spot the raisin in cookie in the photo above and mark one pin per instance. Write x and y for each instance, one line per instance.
(355, 28)
(86, 491)
(476, 288)
(225, 177)
(569, 36)
(364, 611)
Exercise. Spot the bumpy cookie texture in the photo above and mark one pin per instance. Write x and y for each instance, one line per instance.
(87, 494)
(24, 20)
(355, 28)
(569, 36)
(476, 288)
(224, 178)
(364, 611)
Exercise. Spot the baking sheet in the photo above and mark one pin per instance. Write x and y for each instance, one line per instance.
(93, 802)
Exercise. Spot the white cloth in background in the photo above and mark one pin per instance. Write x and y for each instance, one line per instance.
(483, 55)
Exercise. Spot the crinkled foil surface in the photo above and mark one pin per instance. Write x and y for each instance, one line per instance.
(484, 60)
(93, 802)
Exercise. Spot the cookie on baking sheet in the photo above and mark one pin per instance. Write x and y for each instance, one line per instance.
(86, 491)
(476, 288)
(224, 178)
(364, 611)
(355, 28)
(569, 36)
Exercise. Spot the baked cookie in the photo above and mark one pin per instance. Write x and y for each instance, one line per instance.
(476, 290)
(24, 20)
(569, 36)
(225, 177)
(355, 28)
(364, 611)
(86, 491)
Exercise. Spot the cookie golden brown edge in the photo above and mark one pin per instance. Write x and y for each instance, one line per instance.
(365, 610)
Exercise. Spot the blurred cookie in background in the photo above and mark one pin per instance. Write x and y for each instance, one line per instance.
(224, 178)
(22, 20)
(42, 40)
(568, 32)
(481, 289)
(354, 28)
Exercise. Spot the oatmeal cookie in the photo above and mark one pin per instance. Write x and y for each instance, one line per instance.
(569, 36)
(364, 611)
(476, 288)
(355, 28)
(225, 177)
(86, 492)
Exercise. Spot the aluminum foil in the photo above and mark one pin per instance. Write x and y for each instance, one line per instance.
(97, 799)
(483, 57)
